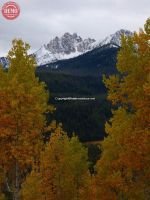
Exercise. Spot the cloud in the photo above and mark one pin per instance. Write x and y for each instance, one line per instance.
(40, 21)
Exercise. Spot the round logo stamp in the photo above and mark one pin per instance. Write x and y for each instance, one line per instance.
(10, 10)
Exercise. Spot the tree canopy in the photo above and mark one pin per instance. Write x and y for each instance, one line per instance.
(123, 170)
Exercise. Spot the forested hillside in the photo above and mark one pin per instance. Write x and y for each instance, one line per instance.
(81, 77)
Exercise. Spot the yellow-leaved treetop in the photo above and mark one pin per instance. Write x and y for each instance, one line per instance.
(124, 168)
(62, 173)
(23, 104)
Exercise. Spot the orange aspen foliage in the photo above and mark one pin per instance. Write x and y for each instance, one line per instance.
(23, 104)
(63, 170)
(124, 169)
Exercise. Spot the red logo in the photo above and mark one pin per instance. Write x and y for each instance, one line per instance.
(10, 10)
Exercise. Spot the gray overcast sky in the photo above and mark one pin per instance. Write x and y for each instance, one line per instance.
(40, 21)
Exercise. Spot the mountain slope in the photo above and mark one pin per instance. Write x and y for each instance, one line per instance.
(81, 77)
(114, 40)
(99, 61)
(65, 47)
(71, 45)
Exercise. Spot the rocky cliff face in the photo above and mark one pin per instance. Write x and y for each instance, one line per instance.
(69, 43)
(67, 46)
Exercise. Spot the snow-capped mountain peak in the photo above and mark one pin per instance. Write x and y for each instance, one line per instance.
(65, 47)
(114, 39)
(72, 45)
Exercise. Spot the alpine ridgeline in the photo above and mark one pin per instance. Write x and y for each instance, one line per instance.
(72, 45)
(65, 47)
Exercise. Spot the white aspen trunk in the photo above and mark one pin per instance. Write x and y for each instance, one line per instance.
(16, 189)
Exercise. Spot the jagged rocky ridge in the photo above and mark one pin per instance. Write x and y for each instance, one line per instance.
(70, 46)
(114, 40)
(65, 47)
